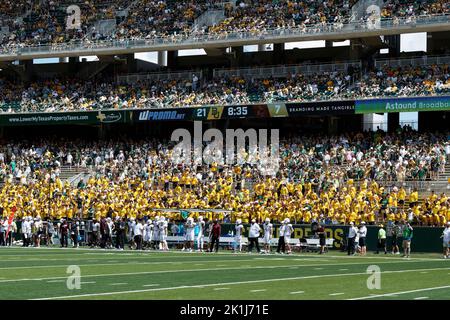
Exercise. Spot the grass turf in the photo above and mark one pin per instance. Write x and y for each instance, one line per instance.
(30, 273)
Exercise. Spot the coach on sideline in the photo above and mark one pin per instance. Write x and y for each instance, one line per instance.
(281, 244)
(215, 238)
(352, 232)
(253, 236)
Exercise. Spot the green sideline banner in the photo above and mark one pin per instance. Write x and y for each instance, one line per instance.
(403, 105)
(64, 118)
(425, 239)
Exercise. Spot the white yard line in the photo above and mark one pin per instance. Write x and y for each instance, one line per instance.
(219, 289)
(296, 292)
(230, 283)
(421, 298)
(401, 292)
(258, 290)
(122, 263)
(336, 294)
(87, 282)
(118, 284)
(55, 281)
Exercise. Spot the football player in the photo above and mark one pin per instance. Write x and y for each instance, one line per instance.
(268, 230)
(190, 235)
(239, 228)
(200, 235)
(156, 237)
(148, 233)
(162, 227)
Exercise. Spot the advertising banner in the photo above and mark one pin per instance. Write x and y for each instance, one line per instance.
(64, 118)
(403, 105)
(321, 108)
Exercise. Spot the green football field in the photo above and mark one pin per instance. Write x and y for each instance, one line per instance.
(31, 273)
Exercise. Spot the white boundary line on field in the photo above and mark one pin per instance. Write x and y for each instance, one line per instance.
(124, 263)
(392, 260)
(203, 269)
(401, 292)
(225, 284)
(151, 252)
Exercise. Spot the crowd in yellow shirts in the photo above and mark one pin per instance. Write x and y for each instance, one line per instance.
(330, 179)
(270, 198)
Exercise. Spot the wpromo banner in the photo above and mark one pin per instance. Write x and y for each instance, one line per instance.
(64, 118)
(201, 113)
(403, 105)
(161, 115)
(321, 108)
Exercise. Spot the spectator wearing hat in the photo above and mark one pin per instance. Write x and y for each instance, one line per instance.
(288, 229)
(381, 240)
(322, 238)
(362, 232)
(253, 236)
(281, 248)
(352, 232)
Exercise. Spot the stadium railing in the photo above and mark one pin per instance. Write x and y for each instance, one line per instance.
(439, 22)
(414, 61)
(182, 75)
(15, 107)
(285, 70)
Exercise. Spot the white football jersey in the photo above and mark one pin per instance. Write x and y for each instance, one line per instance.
(239, 230)
(268, 228)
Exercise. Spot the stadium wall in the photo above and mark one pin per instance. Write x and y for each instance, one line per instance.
(425, 239)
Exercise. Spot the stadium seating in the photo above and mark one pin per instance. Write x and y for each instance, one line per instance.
(70, 95)
(44, 22)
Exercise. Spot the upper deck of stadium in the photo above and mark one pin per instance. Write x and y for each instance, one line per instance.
(45, 29)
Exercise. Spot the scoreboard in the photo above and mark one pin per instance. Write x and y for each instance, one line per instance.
(273, 110)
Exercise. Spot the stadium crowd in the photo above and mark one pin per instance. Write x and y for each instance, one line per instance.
(335, 179)
(171, 20)
(72, 95)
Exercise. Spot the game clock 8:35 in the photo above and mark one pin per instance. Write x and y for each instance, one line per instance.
(236, 111)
